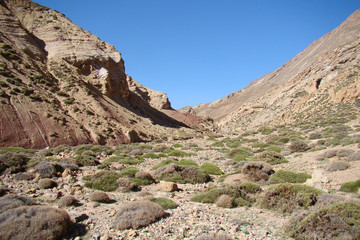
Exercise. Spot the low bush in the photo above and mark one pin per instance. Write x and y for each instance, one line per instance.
(250, 187)
(288, 197)
(35, 222)
(352, 186)
(225, 201)
(240, 154)
(163, 163)
(257, 171)
(46, 183)
(128, 172)
(181, 174)
(67, 201)
(138, 214)
(272, 158)
(102, 180)
(284, 176)
(186, 162)
(13, 162)
(179, 153)
(299, 146)
(211, 168)
(99, 196)
(337, 221)
(212, 194)
(122, 160)
(165, 203)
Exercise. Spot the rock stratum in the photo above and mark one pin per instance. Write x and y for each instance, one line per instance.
(322, 77)
(61, 84)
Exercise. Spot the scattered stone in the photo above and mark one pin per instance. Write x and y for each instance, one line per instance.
(168, 186)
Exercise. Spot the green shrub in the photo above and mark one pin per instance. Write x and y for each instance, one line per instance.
(102, 180)
(271, 158)
(288, 197)
(122, 160)
(163, 163)
(179, 153)
(13, 161)
(212, 194)
(181, 174)
(218, 144)
(337, 221)
(186, 162)
(299, 146)
(274, 148)
(128, 172)
(240, 154)
(250, 187)
(87, 158)
(177, 145)
(165, 203)
(211, 168)
(152, 155)
(353, 186)
(16, 150)
(283, 176)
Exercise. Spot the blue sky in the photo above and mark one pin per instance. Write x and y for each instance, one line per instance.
(199, 51)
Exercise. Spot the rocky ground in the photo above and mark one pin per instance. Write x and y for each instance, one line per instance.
(189, 220)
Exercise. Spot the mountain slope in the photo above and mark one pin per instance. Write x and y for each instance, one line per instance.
(252, 98)
(62, 85)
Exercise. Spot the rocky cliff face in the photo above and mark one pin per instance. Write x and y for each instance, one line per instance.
(324, 73)
(62, 85)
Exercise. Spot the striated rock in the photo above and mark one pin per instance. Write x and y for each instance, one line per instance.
(73, 88)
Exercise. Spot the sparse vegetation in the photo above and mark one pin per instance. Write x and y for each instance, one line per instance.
(352, 186)
(288, 197)
(272, 158)
(337, 221)
(212, 194)
(102, 180)
(211, 168)
(283, 176)
(165, 203)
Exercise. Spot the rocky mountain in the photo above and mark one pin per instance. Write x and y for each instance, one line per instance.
(321, 77)
(61, 84)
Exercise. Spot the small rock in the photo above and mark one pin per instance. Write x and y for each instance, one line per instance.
(168, 186)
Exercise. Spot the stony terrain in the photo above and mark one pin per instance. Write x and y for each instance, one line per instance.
(191, 220)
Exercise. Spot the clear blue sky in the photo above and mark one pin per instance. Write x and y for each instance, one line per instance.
(199, 51)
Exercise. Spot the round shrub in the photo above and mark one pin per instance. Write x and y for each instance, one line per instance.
(211, 168)
(99, 196)
(46, 183)
(288, 197)
(35, 222)
(299, 146)
(67, 201)
(257, 171)
(103, 180)
(138, 214)
(284, 176)
(225, 201)
(13, 162)
(337, 221)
